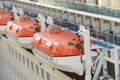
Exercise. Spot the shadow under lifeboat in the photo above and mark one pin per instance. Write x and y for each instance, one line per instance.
(59, 47)
(4, 18)
(22, 30)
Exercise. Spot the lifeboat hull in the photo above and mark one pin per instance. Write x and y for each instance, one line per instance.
(63, 63)
(22, 41)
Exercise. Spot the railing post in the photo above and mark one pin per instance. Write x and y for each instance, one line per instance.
(97, 34)
(113, 38)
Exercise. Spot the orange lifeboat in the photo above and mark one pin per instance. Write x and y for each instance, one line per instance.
(5, 17)
(22, 27)
(57, 43)
(61, 48)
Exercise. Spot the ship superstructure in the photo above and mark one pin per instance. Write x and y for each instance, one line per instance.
(100, 18)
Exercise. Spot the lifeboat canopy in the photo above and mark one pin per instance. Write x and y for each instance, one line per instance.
(56, 42)
(22, 27)
(5, 17)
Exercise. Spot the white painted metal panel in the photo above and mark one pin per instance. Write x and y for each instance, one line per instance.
(17, 57)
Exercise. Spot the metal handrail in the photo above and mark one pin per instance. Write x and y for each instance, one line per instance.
(111, 38)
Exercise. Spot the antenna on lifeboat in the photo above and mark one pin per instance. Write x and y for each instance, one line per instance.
(49, 20)
(17, 11)
(14, 10)
(41, 19)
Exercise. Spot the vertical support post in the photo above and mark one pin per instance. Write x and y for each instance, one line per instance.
(104, 68)
(88, 60)
(50, 20)
(76, 15)
(78, 19)
(42, 20)
(105, 72)
(91, 21)
(113, 29)
(83, 19)
(87, 57)
(62, 15)
(15, 10)
(71, 17)
(68, 15)
(100, 24)
(116, 63)
(43, 24)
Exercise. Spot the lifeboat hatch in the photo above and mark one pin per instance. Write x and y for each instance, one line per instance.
(22, 41)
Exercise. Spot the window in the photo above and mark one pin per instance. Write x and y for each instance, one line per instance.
(105, 21)
(9, 49)
(25, 78)
(119, 54)
(84, 1)
(27, 62)
(16, 54)
(96, 2)
(31, 27)
(21, 76)
(119, 69)
(23, 59)
(12, 51)
(117, 24)
(101, 49)
(37, 71)
(18, 74)
(109, 54)
(11, 67)
(78, 0)
(96, 19)
(87, 17)
(48, 76)
(32, 66)
(19, 57)
(70, 43)
(14, 70)
(42, 73)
